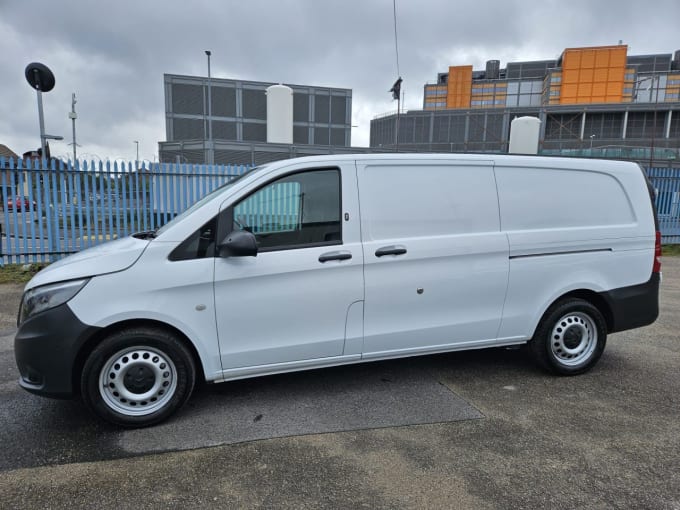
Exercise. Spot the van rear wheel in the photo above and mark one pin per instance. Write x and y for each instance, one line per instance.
(138, 377)
(570, 338)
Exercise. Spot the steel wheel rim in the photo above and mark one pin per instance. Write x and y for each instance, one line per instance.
(138, 381)
(573, 338)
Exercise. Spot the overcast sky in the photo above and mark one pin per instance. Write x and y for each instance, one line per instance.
(113, 54)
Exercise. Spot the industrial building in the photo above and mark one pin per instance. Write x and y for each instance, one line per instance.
(216, 120)
(594, 100)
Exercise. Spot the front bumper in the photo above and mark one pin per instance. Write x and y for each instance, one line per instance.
(46, 347)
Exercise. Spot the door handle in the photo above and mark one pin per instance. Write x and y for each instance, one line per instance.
(395, 249)
(334, 255)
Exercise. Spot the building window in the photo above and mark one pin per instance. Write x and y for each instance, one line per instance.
(434, 92)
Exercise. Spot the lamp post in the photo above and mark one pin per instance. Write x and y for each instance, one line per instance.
(73, 116)
(591, 144)
(41, 79)
(210, 142)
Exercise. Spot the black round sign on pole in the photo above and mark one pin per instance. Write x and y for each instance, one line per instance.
(39, 77)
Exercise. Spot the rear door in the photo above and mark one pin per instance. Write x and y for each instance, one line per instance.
(436, 263)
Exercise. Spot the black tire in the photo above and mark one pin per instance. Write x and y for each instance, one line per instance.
(138, 377)
(570, 338)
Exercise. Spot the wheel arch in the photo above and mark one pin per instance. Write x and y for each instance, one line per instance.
(594, 298)
(94, 340)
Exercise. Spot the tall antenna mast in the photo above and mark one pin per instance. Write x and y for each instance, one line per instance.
(396, 88)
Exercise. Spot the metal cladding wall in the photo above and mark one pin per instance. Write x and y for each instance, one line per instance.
(321, 115)
(593, 75)
(599, 75)
(631, 129)
(459, 87)
(249, 153)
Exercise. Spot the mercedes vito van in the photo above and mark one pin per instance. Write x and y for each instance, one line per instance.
(323, 261)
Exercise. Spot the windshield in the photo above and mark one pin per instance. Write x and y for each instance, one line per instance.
(206, 199)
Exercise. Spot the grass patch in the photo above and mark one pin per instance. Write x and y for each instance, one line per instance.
(19, 273)
(670, 250)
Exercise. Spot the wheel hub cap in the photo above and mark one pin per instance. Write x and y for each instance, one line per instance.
(137, 381)
(573, 339)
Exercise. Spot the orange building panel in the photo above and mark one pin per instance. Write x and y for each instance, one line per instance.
(619, 58)
(587, 59)
(459, 87)
(600, 89)
(593, 75)
(601, 75)
(587, 75)
(585, 89)
(612, 88)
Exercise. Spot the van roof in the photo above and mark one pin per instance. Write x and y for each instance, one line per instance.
(509, 160)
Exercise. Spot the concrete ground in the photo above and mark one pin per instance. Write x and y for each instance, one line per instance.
(606, 439)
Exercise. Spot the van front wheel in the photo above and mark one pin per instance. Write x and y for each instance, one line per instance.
(137, 377)
(570, 338)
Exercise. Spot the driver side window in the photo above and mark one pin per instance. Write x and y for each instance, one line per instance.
(295, 211)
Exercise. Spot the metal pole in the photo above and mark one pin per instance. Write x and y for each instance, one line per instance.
(74, 141)
(397, 129)
(210, 144)
(74, 116)
(42, 123)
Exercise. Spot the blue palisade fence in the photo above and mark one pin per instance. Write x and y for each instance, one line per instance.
(666, 182)
(52, 209)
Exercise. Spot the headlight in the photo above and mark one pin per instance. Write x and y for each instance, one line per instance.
(45, 297)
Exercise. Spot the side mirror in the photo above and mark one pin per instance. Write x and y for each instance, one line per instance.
(239, 243)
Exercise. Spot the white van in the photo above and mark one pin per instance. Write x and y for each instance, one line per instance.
(331, 260)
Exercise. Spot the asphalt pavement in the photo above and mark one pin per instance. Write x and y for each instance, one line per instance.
(482, 429)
